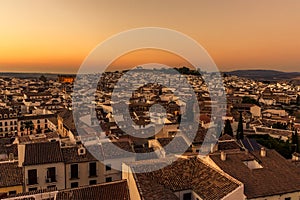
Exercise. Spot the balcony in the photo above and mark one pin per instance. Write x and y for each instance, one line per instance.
(74, 175)
(32, 181)
(51, 179)
(92, 174)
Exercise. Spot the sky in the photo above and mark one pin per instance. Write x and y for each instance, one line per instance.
(57, 35)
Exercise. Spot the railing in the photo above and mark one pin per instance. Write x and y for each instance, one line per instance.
(75, 176)
(93, 174)
(32, 181)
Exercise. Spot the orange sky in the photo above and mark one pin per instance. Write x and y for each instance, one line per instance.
(56, 36)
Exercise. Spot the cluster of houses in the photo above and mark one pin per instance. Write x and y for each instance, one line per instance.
(47, 153)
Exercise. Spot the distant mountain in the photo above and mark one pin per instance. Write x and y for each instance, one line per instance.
(265, 75)
(28, 75)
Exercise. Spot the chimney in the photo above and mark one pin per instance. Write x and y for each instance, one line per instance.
(213, 148)
(21, 154)
(295, 157)
(11, 156)
(263, 152)
(223, 156)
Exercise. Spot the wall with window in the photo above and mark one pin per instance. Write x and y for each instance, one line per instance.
(12, 189)
(112, 174)
(48, 175)
(8, 127)
(84, 173)
(39, 126)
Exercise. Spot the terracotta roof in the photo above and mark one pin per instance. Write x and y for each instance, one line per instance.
(182, 174)
(42, 153)
(68, 120)
(228, 145)
(71, 155)
(10, 174)
(117, 190)
(277, 175)
(173, 145)
(33, 117)
(53, 120)
(225, 137)
(112, 150)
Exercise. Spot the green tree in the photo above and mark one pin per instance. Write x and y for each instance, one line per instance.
(250, 100)
(28, 125)
(240, 129)
(43, 78)
(295, 142)
(228, 129)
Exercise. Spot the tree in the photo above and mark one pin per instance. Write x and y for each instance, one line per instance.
(28, 125)
(219, 128)
(240, 129)
(298, 100)
(250, 100)
(228, 128)
(295, 142)
(43, 78)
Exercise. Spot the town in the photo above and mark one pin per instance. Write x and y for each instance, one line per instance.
(51, 150)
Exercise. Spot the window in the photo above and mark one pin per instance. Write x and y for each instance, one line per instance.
(74, 171)
(51, 175)
(187, 196)
(0, 123)
(32, 189)
(93, 169)
(108, 167)
(108, 179)
(93, 182)
(5, 123)
(287, 198)
(32, 177)
(81, 151)
(12, 192)
(11, 123)
(74, 185)
(38, 121)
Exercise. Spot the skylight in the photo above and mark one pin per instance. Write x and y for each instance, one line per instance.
(252, 164)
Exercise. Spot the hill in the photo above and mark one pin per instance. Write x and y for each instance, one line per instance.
(265, 75)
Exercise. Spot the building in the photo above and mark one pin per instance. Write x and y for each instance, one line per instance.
(8, 122)
(66, 78)
(11, 178)
(183, 179)
(117, 190)
(82, 168)
(43, 165)
(266, 175)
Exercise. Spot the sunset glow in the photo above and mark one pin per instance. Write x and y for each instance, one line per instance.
(56, 36)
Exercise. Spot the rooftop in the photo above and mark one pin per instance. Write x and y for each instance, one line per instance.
(277, 175)
(182, 174)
